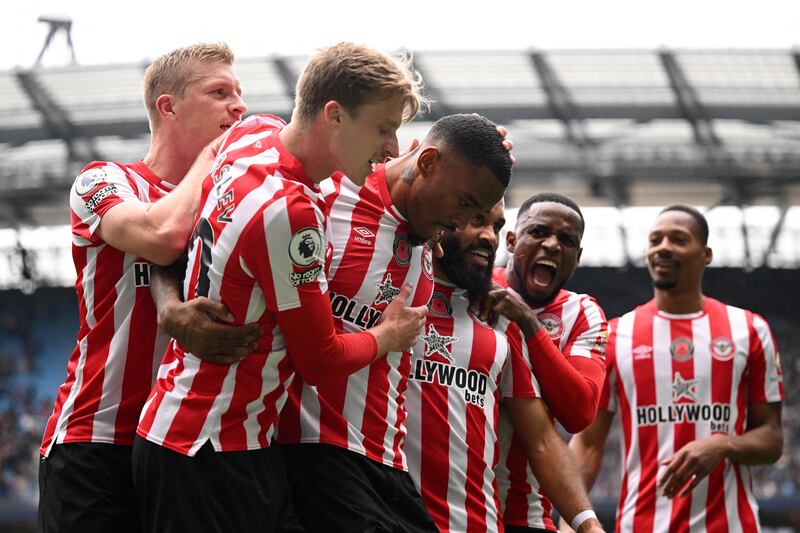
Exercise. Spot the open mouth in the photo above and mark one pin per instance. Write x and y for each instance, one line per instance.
(226, 127)
(544, 272)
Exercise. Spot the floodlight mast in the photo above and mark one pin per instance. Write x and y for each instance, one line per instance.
(56, 23)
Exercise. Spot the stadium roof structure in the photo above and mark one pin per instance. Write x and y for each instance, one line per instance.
(608, 128)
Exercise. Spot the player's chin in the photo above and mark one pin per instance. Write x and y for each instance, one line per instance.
(539, 294)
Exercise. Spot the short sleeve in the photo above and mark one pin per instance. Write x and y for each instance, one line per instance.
(764, 376)
(590, 332)
(98, 188)
(608, 398)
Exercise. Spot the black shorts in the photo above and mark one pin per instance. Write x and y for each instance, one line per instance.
(87, 487)
(336, 490)
(213, 491)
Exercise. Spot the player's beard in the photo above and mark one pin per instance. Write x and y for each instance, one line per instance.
(454, 265)
(665, 284)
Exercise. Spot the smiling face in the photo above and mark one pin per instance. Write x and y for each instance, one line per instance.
(211, 103)
(366, 135)
(676, 255)
(448, 191)
(545, 250)
(469, 253)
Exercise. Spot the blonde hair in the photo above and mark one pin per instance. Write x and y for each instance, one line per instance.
(354, 75)
(173, 72)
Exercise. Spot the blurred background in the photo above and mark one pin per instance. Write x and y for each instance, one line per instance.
(624, 106)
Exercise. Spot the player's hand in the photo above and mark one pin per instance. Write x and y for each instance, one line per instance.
(591, 526)
(501, 302)
(508, 144)
(690, 465)
(196, 326)
(399, 325)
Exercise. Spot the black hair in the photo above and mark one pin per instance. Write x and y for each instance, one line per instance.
(551, 197)
(476, 138)
(702, 223)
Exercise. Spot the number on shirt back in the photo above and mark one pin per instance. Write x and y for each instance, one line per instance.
(205, 232)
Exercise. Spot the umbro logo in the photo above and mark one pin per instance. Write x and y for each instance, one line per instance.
(363, 235)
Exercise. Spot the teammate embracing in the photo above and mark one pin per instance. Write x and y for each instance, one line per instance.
(203, 458)
(125, 218)
(565, 334)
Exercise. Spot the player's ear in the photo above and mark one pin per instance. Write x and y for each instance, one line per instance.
(709, 255)
(332, 112)
(165, 106)
(511, 241)
(427, 160)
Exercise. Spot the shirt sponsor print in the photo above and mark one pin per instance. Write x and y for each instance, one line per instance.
(386, 291)
(472, 383)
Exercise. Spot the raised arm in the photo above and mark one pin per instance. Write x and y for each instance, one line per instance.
(326, 354)
(159, 232)
(570, 386)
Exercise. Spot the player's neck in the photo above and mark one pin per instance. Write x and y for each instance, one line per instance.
(399, 179)
(310, 147)
(678, 302)
(168, 161)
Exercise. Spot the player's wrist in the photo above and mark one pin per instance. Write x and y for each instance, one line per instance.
(585, 521)
(528, 324)
(723, 444)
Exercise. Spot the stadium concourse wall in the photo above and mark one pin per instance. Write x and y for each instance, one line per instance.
(37, 334)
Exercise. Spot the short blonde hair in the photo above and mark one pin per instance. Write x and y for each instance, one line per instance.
(354, 75)
(173, 72)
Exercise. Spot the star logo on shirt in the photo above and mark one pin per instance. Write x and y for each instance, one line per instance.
(435, 343)
(684, 389)
(386, 291)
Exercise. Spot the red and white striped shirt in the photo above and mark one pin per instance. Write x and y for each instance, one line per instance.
(577, 326)
(372, 258)
(459, 370)
(679, 378)
(259, 247)
(118, 345)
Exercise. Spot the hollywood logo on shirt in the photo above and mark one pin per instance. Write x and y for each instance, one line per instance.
(472, 383)
(685, 409)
